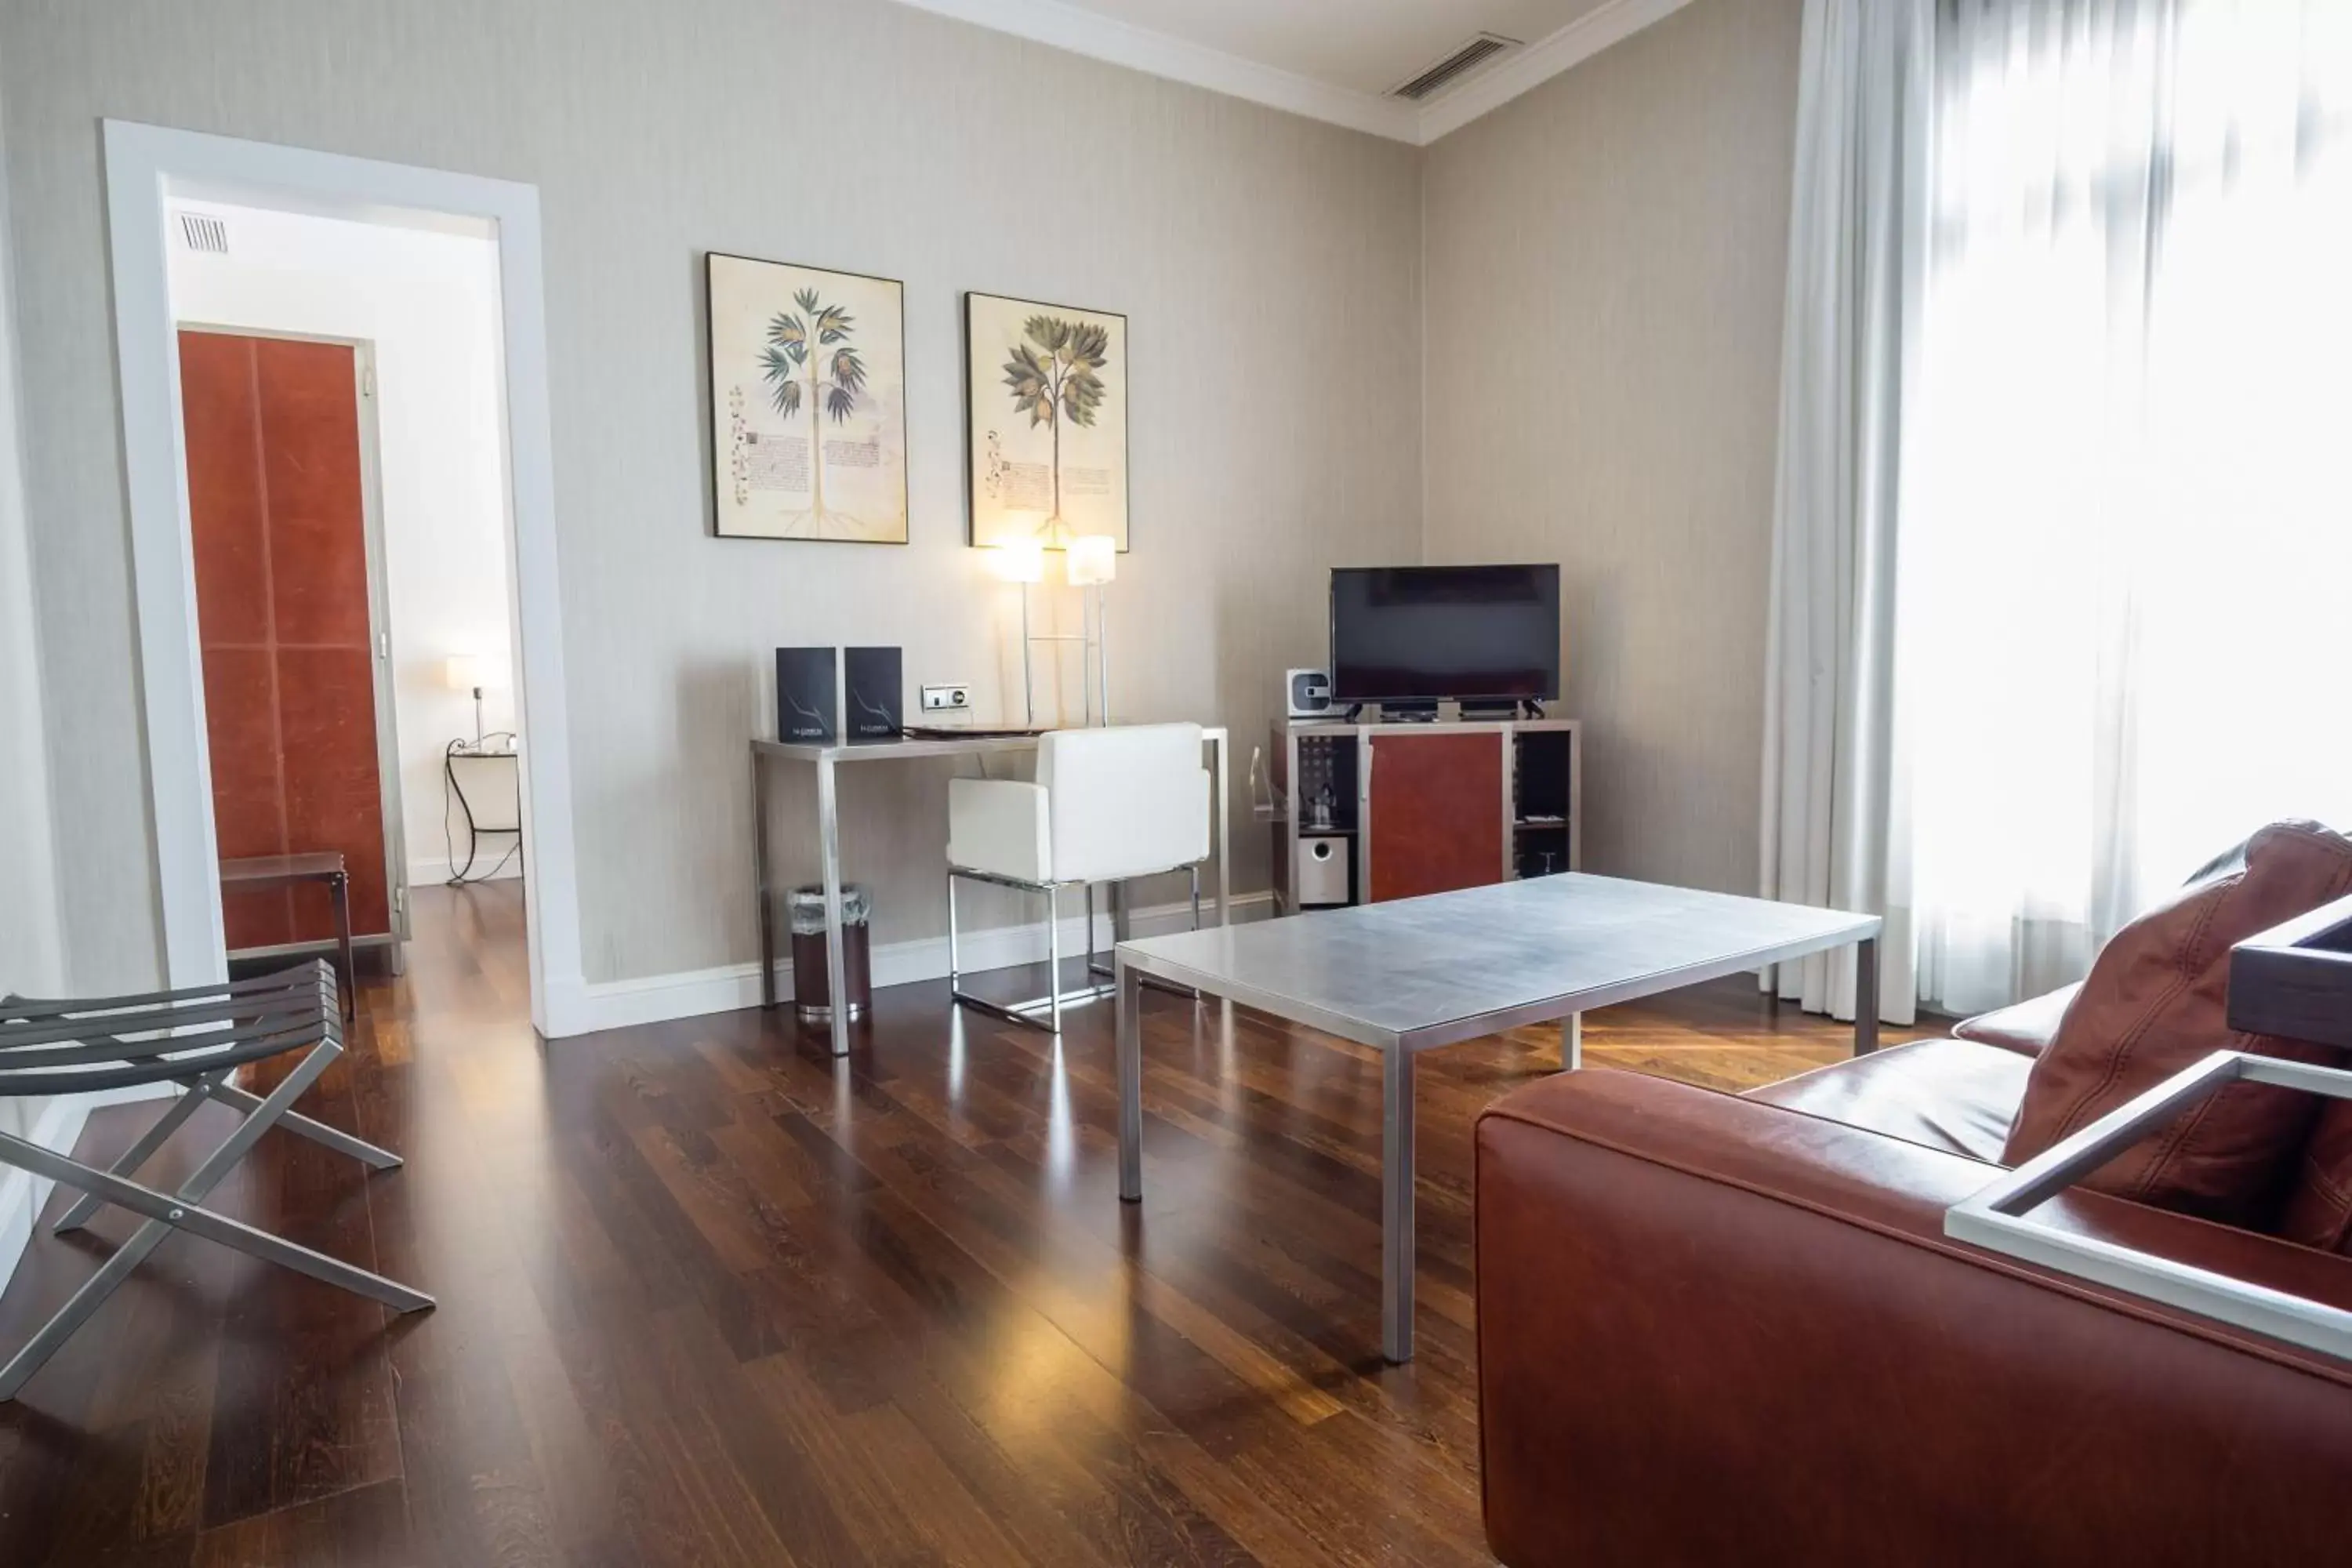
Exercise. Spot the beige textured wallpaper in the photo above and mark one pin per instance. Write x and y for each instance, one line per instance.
(1269, 267)
(1605, 264)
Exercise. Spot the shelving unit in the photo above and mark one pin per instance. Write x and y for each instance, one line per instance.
(1364, 813)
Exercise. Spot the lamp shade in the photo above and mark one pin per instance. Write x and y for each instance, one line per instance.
(468, 671)
(1021, 562)
(1093, 560)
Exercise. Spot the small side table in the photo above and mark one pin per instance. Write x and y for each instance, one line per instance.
(282, 870)
(492, 802)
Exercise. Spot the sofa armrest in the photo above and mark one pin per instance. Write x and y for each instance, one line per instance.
(2026, 1027)
(1713, 1330)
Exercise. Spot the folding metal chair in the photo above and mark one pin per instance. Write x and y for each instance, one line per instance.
(195, 1038)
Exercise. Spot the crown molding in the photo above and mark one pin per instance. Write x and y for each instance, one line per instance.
(1089, 33)
(1539, 62)
(1082, 32)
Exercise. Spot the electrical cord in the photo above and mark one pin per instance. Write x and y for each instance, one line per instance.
(459, 876)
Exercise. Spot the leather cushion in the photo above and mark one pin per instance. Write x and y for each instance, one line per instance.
(2318, 1211)
(2155, 1003)
(1956, 1096)
(2026, 1027)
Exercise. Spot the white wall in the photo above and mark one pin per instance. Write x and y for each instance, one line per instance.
(32, 957)
(428, 302)
(1606, 257)
(1269, 266)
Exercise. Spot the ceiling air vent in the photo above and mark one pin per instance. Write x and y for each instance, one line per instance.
(1485, 47)
(199, 232)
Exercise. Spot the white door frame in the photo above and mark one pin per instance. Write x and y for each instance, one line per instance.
(146, 166)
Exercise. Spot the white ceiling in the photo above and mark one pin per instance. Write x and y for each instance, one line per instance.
(1332, 59)
(1368, 46)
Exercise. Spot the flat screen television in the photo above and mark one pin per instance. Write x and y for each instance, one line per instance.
(1467, 634)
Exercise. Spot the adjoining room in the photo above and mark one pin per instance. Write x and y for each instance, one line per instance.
(342, 409)
(911, 781)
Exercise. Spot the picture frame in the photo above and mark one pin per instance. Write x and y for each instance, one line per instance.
(1045, 421)
(807, 371)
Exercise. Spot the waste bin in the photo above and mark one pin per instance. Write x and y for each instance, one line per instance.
(810, 993)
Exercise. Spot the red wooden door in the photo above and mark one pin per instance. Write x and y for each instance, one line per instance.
(1437, 811)
(281, 566)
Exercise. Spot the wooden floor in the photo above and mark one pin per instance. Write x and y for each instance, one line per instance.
(706, 1299)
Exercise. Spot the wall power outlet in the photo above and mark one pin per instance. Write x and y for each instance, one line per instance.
(947, 698)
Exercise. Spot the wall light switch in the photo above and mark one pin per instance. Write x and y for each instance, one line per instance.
(947, 698)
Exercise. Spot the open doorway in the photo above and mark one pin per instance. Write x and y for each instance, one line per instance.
(342, 420)
(422, 290)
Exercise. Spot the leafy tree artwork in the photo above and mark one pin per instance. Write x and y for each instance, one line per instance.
(1045, 405)
(808, 402)
(1054, 375)
(813, 345)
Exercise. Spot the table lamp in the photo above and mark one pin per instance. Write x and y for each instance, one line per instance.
(472, 672)
(1093, 561)
(1023, 561)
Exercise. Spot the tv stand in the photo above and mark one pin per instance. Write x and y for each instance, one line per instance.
(1378, 811)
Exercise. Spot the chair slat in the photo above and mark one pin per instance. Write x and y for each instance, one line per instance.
(47, 1006)
(71, 1047)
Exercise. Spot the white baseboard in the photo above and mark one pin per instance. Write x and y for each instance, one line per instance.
(22, 1193)
(657, 999)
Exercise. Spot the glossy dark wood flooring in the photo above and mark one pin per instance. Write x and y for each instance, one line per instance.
(707, 1299)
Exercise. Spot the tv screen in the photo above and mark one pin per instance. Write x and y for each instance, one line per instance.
(1416, 634)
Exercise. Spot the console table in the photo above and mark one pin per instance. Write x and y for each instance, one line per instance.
(283, 870)
(828, 759)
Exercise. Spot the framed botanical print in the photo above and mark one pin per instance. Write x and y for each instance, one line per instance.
(1045, 405)
(808, 403)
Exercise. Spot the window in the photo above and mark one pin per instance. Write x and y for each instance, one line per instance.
(2127, 549)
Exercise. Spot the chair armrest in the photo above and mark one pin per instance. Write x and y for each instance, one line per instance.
(1685, 1298)
(1001, 826)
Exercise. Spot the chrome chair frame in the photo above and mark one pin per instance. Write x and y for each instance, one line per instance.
(195, 1038)
(1051, 1003)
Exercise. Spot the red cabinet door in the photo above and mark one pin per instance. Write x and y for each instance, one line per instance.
(279, 540)
(1436, 811)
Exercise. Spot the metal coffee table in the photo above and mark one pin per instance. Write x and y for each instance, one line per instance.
(1421, 972)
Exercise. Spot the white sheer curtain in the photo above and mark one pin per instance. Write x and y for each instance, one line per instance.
(1833, 816)
(2126, 581)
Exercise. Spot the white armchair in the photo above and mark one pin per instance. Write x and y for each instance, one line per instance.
(1109, 806)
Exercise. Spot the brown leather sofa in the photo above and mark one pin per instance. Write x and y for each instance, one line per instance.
(1730, 1329)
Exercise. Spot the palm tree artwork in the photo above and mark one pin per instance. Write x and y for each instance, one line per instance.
(809, 359)
(1053, 377)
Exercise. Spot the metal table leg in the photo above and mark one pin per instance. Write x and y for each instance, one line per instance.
(760, 889)
(1572, 1042)
(1130, 1080)
(1865, 996)
(1396, 1205)
(836, 967)
(1224, 845)
(338, 889)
